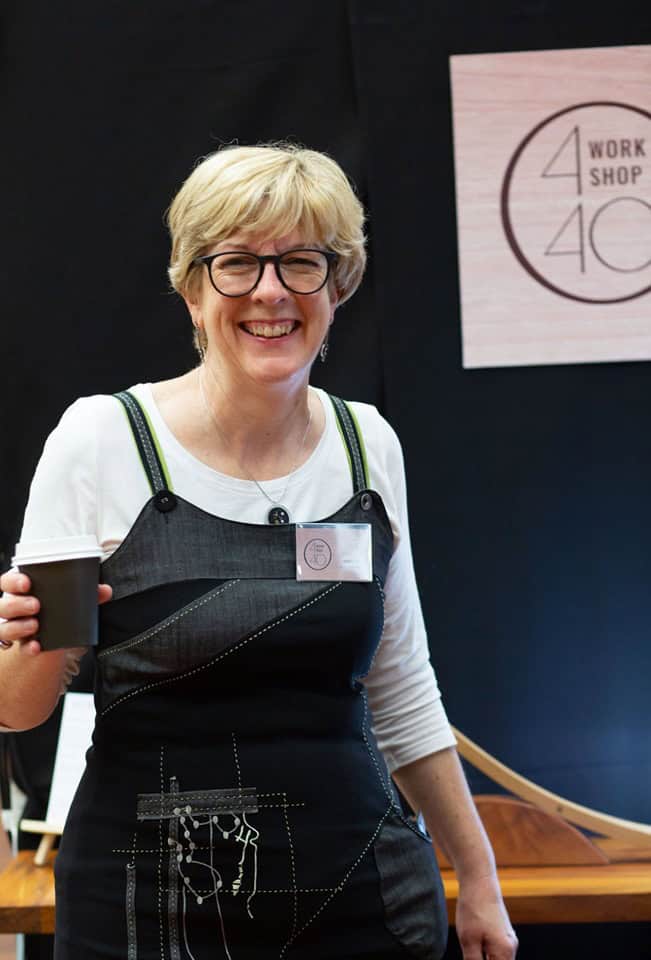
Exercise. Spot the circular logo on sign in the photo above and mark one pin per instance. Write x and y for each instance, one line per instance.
(317, 554)
(575, 202)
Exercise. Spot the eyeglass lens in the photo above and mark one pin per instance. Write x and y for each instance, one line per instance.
(302, 271)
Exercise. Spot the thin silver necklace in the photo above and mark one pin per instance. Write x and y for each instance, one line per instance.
(277, 514)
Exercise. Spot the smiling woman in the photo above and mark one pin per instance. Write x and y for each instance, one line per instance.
(259, 681)
(251, 325)
(280, 235)
(284, 189)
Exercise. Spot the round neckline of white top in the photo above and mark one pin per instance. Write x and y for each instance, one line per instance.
(173, 448)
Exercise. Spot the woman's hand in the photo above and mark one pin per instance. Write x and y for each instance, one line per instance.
(436, 785)
(19, 611)
(482, 924)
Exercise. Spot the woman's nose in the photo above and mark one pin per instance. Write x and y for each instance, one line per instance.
(269, 286)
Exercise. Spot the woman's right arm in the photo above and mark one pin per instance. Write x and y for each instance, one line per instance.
(62, 502)
(31, 679)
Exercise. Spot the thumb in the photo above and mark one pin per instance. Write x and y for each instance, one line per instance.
(104, 592)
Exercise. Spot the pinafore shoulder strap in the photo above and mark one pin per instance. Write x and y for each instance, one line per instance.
(353, 442)
(146, 442)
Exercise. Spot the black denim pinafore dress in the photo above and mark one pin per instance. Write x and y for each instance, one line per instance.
(235, 804)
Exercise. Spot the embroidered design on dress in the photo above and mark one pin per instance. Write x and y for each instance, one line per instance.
(200, 825)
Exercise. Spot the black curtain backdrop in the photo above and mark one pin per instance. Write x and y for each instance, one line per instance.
(529, 487)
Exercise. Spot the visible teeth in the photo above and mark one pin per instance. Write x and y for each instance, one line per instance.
(269, 330)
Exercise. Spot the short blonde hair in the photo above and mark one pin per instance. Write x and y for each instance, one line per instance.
(270, 190)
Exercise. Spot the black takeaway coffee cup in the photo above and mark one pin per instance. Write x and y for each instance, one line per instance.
(64, 574)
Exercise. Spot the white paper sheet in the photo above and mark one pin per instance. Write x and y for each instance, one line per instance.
(75, 735)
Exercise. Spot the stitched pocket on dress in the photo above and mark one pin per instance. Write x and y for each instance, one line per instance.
(412, 892)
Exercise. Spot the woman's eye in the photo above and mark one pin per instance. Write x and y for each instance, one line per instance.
(306, 262)
(236, 263)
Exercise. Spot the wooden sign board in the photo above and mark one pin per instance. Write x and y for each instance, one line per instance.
(552, 157)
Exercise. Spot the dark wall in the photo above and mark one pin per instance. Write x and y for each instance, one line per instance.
(108, 110)
(528, 487)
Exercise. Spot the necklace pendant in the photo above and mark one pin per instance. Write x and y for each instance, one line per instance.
(278, 515)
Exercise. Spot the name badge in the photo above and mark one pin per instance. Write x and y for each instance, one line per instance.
(334, 551)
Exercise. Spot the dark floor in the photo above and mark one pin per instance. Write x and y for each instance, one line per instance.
(599, 941)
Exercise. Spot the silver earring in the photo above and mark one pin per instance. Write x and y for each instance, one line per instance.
(200, 346)
(323, 352)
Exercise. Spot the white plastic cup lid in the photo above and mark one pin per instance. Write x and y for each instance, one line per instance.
(56, 548)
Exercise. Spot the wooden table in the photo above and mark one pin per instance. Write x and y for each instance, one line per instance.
(617, 892)
(596, 894)
(27, 895)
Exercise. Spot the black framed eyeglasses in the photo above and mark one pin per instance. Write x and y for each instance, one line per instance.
(234, 273)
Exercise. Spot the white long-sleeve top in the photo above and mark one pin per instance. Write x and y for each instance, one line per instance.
(90, 480)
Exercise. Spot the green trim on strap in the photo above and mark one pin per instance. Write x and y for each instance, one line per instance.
(133, 436)
(362, 447)
(351, 437)
(146, 442)
(345, 443)
(159, 451)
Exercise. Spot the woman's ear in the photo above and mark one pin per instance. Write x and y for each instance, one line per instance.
(193, 308)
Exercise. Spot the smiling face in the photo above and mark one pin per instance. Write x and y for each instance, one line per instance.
(269, 336)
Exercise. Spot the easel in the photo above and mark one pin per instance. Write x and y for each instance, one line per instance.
(49, 833)
(74, 737)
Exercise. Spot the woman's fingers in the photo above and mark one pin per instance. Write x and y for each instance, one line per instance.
(14, 582)
(17, 611)
(26, 645)
(104, 593)
(13, 605)
(20, 629)
(18, 621)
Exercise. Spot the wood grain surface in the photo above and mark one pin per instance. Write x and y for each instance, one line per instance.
(572, 894)
(578, 160)
(7, 941)
(27, 895)
(616, 893)
(522, 835)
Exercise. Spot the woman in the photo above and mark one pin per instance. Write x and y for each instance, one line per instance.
(236, 800)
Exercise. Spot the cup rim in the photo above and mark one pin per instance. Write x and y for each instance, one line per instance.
(56, 549)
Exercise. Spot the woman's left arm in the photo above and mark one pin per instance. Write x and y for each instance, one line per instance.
(436, 786)
(411, 727)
